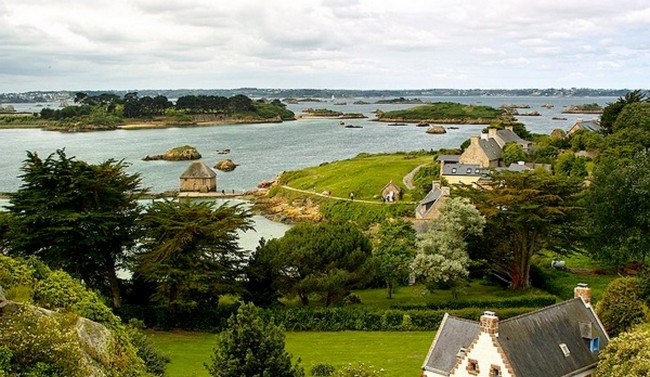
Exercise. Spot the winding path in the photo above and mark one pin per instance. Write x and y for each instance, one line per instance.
(336, 197)
(408, 179)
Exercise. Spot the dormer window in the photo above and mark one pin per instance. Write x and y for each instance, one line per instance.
(477, 171)
(453, 170)
(469, 170)
(594, 344)
(495, 371)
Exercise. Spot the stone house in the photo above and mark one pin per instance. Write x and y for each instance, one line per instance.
(198, 177)
(464, 173)
(591, 126)
(391, 192)
(483, 152)
(507, 135)
(560, 340)
(429, 207)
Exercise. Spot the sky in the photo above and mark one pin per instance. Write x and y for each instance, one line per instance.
(329, 44)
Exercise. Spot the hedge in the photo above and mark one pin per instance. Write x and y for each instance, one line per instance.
(313, 319)
(515, 302)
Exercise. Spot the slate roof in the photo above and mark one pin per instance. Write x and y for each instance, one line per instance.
(395, 186)
(592, 125)
(432, 196)
(468, 170)
(509, 136)
(448, 158)
(454, 334)
(198, 169)
(531, 341)
(540, 333)
(491, 148)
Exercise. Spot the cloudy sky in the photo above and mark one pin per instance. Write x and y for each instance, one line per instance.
(345, 44)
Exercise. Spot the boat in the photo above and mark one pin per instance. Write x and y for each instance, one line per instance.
(422, 124)
(352, 126)
(558, 118)
(397, 124)
(223, 151)
(341, 123)
(452, 128)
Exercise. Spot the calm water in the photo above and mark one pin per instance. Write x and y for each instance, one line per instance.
(264, 150)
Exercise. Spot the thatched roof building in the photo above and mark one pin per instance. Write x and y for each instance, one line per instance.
(198, 177)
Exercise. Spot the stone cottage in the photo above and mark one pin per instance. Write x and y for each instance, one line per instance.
(198, 177)
(391, 192)
(560, 340)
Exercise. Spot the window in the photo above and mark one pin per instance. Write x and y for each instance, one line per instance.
(495, 371)
(565, 350)
(472, 367)
(594, 344)
(477, 171)
(453, 170)
(469, 170)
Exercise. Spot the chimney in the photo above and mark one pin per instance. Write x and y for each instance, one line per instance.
(492, 133)
(490, 323)
(521, 163)
(435, 185)
(509, 128)
(484, 136)
(583, 291)
(473, 140)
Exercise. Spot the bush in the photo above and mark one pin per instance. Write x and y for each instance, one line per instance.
(359, 370)
(322, 370)
(517, 302)
(154, 360)
(622, 306)
(626, 355)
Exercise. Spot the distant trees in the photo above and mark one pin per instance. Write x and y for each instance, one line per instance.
(189, 252)
(76, 216)
(323, 259)
(531, 210)
(251, 347)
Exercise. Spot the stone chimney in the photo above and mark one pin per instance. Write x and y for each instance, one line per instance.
(492, 133)
(435, 185)
(509, 128)
(484, 136)
(490, 323)
(583, 290)
(474, 140)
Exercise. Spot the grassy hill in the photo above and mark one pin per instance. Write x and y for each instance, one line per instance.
(364, 175)
(444, 112)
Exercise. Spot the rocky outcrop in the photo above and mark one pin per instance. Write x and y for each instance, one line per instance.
(436, 130)
(225, 165)
(183, 153)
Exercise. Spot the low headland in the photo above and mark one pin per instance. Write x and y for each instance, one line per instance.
(444, 113)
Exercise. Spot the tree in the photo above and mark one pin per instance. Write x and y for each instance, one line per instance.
(622, 306)
(395, 253)
(612, 110)
(251, 347)
(525, 213)
(568, 164)
(626, 355)
(442, 258)
(190, 251)
(78, 217)
(512, 153)
(325, 259)
(616, 205)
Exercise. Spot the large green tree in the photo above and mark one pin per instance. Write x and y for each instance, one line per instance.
(612, 110)
(394, 253)
(323, 259)
(617, 208)
(76, 216)
(190, 251)
(525, 213)
(251, 347)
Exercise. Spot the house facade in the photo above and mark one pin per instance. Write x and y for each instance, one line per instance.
(560, 340)
(391, 192)
(198, 177)
(429, 207)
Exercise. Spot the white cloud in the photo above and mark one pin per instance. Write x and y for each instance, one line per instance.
(336, 43)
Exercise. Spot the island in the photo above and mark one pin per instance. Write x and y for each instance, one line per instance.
(588, 108)
(108, 111)
(399, 101)
(327, 113)
(182, 153)
(444, 113)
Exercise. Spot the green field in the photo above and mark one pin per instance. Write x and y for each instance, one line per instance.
(364, 175)
(399, 353)
(444, 112)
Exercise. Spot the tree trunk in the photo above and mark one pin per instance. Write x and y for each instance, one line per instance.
(390, 290)
(114, 281)
(304, 299)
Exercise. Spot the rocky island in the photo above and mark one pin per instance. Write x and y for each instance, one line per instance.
(588, 108)
(182, 153)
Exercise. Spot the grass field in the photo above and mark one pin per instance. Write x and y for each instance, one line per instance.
(398, 353)
(364, 175)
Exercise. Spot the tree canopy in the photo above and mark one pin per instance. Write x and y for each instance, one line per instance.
(525, 213)
(76, 216)
(190, 252)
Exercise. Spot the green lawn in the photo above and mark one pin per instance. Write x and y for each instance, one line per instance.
(399, 353)
(364, 175)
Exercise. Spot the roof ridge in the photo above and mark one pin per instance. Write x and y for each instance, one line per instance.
(566, 302)
(464, 319)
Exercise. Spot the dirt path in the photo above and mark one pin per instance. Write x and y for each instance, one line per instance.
(408, 179)
(335, 197)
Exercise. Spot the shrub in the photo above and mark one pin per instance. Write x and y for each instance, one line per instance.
(352, 299)
(322, 370)
(626, 355)
(359, 370)
(154, 360)
(622, 306)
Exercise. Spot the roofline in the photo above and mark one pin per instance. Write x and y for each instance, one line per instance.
(540, 310)
(581, 370)
(435, 339)
(591, 309)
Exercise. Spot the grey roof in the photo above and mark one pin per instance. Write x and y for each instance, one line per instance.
(593, 125)
(198, 169)
(539, 335)
(509, 136)
(391, 183)
(454, 334)
(491, 148)
(471, 170)
(448, 158)
(531, 342)
(432, 196)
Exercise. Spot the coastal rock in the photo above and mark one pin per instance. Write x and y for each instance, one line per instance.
(225, 165)
(183, 153)
(436, 130)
